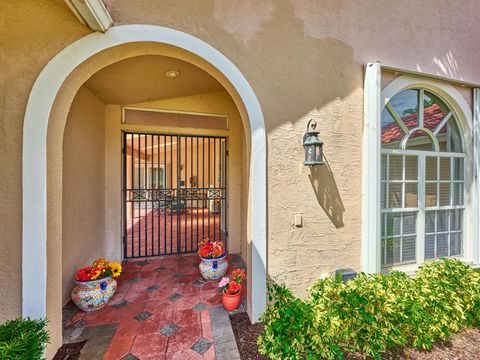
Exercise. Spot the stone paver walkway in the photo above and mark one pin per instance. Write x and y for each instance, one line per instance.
(161, 310)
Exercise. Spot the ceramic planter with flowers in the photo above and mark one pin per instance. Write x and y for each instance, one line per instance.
(214, 263)
(95, 284)
(232, 289)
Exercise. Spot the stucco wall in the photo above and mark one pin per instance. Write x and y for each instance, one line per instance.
(83, 212)
(31, 33)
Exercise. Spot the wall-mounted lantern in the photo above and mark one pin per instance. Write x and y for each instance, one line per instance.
(313, 145)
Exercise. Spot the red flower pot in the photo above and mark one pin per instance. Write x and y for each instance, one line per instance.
(231, 302)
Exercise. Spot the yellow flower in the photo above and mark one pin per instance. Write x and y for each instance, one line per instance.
(96, 273)
(115, 268)
(100, 263)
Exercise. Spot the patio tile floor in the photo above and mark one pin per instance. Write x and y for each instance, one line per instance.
(158, 314)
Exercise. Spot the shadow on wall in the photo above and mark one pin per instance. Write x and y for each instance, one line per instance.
(328, 196)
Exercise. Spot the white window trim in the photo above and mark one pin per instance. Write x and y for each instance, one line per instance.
(375, 100)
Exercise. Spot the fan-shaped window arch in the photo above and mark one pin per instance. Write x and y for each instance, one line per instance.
(422, 179)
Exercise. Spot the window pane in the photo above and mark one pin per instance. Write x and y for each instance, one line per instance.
(383, 195)
(458, 168)
(442, 245)
(458, 194)
(430, 247)
(405, 105)
(409, 223)
(392, 251)
(395, 195)
(392, 133)
(384, 167)
(395, 167)
(444, 194)
(431, 168)
(411, 168)
(408, 251)
(449, 137)
(456, 244)
(456, 220)
(434, 110)
(445, 167)
(442, 223)
(420, 141)
(411, 195)
(430, 221)
(394, 222)
(430, 194)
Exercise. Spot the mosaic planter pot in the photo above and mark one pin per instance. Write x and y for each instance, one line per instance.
(213, 269)
(231, 302)
(94, 294)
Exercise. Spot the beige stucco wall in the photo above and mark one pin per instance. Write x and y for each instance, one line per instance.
(217, 103)
(302, 58)
(83, 213)
(31, 33)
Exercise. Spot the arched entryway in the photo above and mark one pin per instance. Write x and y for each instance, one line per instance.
(45, 118)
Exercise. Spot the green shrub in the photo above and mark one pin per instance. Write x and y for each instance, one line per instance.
(23, 339)
(372, 314)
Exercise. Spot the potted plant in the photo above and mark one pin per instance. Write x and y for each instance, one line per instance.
(214, 263)
(232, 289)
(95, 284)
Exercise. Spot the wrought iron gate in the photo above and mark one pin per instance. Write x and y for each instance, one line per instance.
(174, 192)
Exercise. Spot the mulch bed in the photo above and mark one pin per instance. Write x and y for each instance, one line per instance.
(462, 346)
(246, 335)
(69, 351)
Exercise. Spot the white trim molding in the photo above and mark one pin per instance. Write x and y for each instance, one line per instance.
(93, 13)
(39, 107)
(371, 170)
(375, 100)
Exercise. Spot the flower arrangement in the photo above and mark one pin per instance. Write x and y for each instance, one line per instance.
(211, 249)
(100, 269)
(232, 285)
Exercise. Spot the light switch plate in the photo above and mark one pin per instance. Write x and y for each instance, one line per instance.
(298, 220)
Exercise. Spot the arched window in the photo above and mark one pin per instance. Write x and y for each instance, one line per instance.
(422, 179)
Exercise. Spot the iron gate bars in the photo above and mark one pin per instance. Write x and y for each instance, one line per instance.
(174, 192)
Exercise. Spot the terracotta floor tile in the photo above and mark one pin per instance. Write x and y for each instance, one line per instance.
(149, 345)
(101, 316)
(210, 354)
(119, 347)
(187, 354)
(184, 338)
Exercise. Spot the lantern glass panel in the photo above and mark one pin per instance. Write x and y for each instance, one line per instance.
(318, 153)
(309, 153)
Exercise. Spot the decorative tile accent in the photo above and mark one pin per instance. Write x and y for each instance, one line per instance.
(129, 357)
(98, 339)
(143, 315)
(198, 282)
(199, 307)
(180, 259)
(160, 269)
(201, 346)
(169, 329)
(177, 275)
(133, 280)
(120, 304)
(152, 288)
(175, 297)
(142, 263)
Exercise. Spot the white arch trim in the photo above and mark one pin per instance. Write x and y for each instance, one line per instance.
(39, 106)
(375, 101)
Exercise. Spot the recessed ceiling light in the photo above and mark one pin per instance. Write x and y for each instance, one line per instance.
(172, 73)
